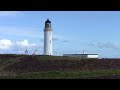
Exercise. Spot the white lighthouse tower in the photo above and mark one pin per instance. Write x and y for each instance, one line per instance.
(48, 38)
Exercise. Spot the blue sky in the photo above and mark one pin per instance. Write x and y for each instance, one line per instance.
(73, 31)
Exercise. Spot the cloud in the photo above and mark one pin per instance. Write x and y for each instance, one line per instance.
(18, 47)
(20, 51)
(8, 46)
(110, 45)
(29, 32)
(60, 38)
(105, 45)
(5, 44)
(91, 44)
(25, 43)
(65, 40)
(10, 13)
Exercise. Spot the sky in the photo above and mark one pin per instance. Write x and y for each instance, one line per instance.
(95, 32)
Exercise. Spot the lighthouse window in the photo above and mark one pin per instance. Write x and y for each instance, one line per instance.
(47, 24)
(50, 41)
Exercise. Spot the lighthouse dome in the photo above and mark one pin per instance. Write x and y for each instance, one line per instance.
(48, 21)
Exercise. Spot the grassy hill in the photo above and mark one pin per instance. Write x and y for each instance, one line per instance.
(56, 67)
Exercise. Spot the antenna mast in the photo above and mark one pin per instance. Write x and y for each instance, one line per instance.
(83, 51)
(26, 52)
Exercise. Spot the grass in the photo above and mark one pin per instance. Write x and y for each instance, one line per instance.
(62, 74)
(55, 67)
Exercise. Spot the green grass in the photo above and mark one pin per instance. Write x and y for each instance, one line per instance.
(29, 67)
(62, 74)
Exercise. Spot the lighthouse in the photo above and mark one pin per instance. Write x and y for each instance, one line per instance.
(48, 38)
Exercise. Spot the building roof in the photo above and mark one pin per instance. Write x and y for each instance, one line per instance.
(80, 54)
(48, 21)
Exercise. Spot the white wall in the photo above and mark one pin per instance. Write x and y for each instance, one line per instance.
(92, 56)
(48, 42)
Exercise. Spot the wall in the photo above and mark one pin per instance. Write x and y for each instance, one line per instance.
(92, 56)
(81, 55)
(76, 55)
(48, 42)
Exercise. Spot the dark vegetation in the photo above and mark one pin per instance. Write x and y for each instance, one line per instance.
(55, 67)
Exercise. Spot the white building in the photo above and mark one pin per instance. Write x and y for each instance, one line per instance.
(82, 55)
(48, 38)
